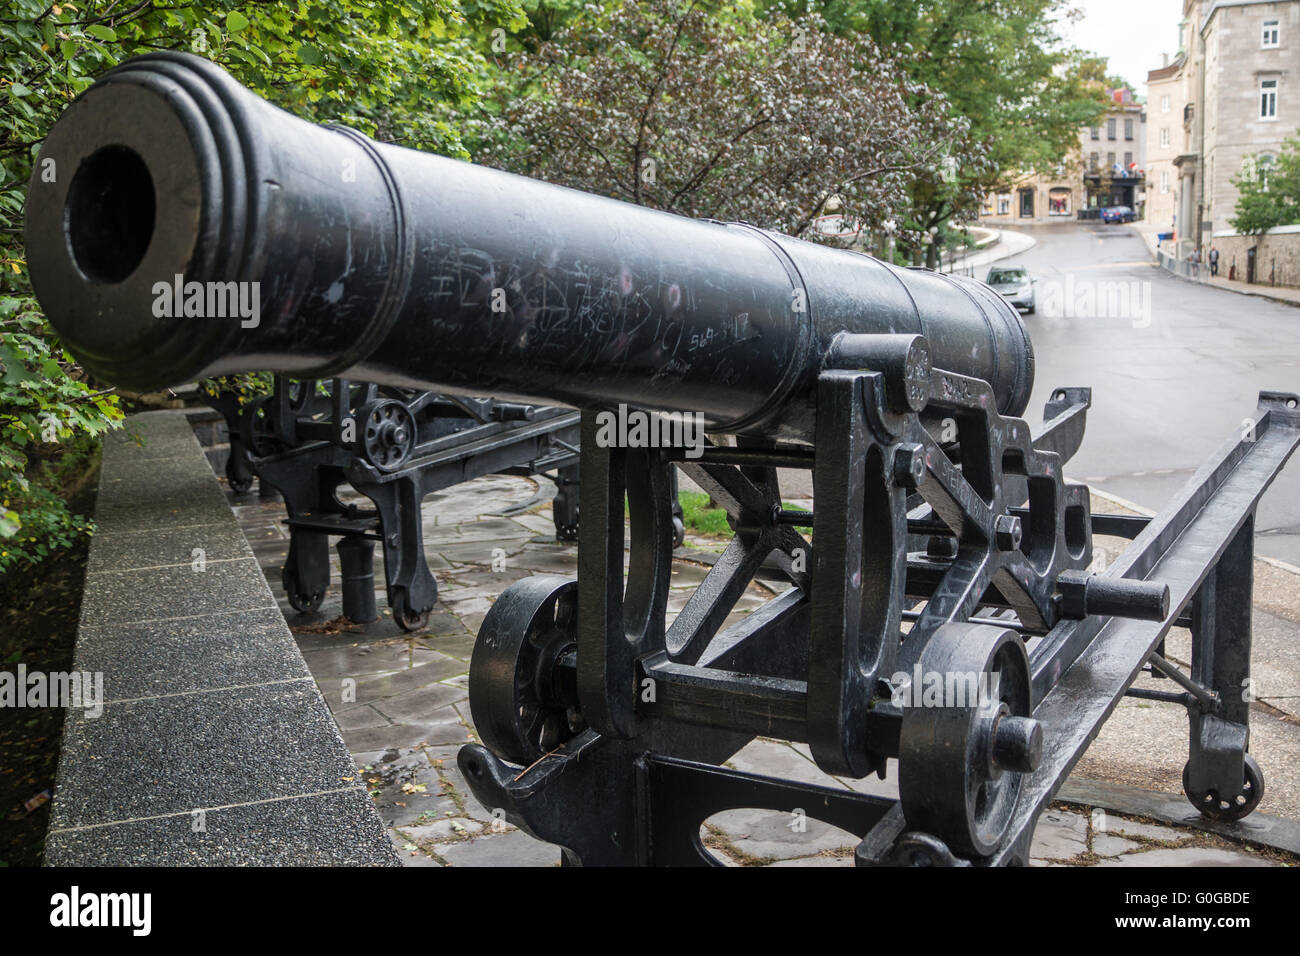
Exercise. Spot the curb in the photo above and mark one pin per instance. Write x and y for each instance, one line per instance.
(1261, 829)
(992, 246)
(1155, 261)
(1148, 513)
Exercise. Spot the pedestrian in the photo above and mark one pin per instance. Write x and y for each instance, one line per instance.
(1214, 261)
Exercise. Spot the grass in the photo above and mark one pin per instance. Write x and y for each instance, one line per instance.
(712, 522)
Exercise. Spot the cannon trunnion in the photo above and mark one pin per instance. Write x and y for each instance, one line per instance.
(942, 614)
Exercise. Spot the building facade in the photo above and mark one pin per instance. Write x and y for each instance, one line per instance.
(1168, 137)
(1114, 158)
(1106, 169)
(1237, 78)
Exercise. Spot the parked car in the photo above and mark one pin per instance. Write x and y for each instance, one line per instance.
(1014, 284)
(1118, 214)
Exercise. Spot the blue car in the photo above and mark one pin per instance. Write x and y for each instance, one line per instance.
(1118, 214)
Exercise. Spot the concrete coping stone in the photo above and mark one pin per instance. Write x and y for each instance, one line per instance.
(210, 743)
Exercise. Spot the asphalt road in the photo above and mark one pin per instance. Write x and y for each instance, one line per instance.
(1175, 367)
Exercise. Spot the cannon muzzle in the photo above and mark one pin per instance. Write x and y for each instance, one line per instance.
(189, 228)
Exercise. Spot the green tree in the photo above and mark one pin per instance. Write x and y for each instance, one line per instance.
(704, 110)
(1269, 195)
(1001, 65)
(399, 71)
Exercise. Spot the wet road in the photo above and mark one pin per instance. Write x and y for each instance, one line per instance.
(1174, 367)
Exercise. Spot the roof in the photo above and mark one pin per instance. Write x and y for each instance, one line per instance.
(1165, 72)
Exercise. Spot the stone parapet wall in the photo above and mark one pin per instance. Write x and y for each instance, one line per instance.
(1277, 257)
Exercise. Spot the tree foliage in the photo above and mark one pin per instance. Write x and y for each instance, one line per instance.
(759, 110)
(1003, 68)
(704, 111)
(399, 71)
(1269, 196)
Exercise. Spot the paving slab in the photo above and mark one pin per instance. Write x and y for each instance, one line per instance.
(1188, 857)
(515, 848)
(438, 728)
(1060, 835)
(772, 835)
(1107, 845)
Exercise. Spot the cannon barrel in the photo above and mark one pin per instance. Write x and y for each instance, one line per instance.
(171, 181)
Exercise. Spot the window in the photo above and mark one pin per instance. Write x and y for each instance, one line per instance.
(1164, 103)
(1094, 160)
(1110, 161)
(1272, 35)
(1096, 132)
(1058, 202)
(1268, 99)
(1110, 128)
(1164, 180)
(1128, 129)
(1004, 205)
(1164, 137)
(1263, 169)
(1128, 160)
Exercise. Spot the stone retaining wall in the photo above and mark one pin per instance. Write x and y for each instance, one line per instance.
(1277, 257)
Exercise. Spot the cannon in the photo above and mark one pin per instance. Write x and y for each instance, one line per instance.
(228, 403)
(395, 447)
(942, 621)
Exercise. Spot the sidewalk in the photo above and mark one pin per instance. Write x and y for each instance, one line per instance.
(1281, 294)
(1009, 243)
(1276, 293)
(408, 714)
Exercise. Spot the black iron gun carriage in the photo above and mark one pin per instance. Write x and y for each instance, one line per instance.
(396, 447)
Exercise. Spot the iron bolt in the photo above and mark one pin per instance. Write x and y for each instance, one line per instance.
(909, 465)
(941, 546)
(1017, 744)
(1007, 532)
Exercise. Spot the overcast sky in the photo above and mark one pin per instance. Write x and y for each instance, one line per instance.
(1131, 33)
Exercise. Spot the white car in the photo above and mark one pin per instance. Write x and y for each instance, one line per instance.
(1014, 284)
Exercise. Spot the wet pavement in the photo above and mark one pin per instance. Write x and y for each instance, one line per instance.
(1175, 368)
(400, 701)
(1173, 375)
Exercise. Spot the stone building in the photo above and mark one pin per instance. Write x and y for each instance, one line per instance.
(1236, 83)
(1114, 158)
(1168, 137)
(1106, 169)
